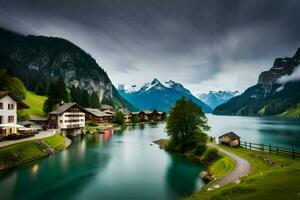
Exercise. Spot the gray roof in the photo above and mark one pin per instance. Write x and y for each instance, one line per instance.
(24, 123)
(105, 106)
(231, 135)
(97, 112)
(38, 118)
(63, 108)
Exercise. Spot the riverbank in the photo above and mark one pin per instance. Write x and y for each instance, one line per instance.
(271, 177)
(97, 128)
(215, 169)
(23, 152)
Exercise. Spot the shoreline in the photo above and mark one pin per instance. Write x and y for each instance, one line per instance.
(206, 175)
(41, 147)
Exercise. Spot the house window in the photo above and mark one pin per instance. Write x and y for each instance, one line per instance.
(1, 105)
(11, 119)
(1, 119)
(10, 106)
(61, 121)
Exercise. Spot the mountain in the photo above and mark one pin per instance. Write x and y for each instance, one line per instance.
(155, 95)
(276, 92)
(214, 99)
(38, 60)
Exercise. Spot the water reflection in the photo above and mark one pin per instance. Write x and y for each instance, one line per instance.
(120, 165)
(182, 177)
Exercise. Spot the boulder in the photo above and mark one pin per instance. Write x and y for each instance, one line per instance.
(206, 176)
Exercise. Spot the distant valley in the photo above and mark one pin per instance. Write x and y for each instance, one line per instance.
(216, 98)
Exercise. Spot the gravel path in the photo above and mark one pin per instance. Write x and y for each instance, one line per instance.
(242, 168)
(40, 135)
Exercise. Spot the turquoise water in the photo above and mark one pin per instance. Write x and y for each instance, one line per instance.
(124, 165)
(112, 166)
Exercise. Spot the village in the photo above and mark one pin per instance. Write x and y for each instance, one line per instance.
(66, 118)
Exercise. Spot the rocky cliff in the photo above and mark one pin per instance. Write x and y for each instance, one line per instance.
(271, 95)
(40, 59)
(281, 67)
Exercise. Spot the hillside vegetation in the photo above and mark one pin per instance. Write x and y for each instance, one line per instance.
(292, 112)
(35, 102)
(276, 92)
(40, 60)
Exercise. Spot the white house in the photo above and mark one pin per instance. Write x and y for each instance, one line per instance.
(9, 104)
(68, 117)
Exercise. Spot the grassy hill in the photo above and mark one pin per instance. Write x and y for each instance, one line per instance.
(292, 112)
(271, 177)
(35, 102)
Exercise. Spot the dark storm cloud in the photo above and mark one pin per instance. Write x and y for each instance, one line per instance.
(199, 43)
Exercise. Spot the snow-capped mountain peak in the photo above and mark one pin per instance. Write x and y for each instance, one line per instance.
(214, 98)
(158, 95)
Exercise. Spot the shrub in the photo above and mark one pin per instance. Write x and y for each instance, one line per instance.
(91, 123)
(211, 155)
(135, 119)
(119, 118)
(25, 134)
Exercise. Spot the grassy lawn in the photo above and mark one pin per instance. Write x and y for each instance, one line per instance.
(25, 151)
(222, 167)
(277, 180)
(35, 102)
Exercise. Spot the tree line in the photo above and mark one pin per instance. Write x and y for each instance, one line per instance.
(58, 92)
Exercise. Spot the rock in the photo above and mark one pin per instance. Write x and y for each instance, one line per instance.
(206, 176)
(162, 143)
(49, 151)
(216, 186)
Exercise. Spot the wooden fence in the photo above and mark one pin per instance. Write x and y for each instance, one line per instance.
(272, 149)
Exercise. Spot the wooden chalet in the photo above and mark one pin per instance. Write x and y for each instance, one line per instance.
(230, 139)
(97, 116)
(9, 105)
(145, 116)
(68, 117)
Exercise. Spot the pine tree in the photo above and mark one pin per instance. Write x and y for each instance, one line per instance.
(57, 93)
(94, 101)
(85, 98)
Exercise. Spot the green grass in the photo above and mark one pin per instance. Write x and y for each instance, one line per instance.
(35, 102)
(57, 141)
(292, 112)
(19, 153)
(222, 166)
(265, 181)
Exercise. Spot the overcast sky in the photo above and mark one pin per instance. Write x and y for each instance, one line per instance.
(205, 45)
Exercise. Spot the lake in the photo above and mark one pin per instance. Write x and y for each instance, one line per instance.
(123, 165)
(283, 132)
(127, 165)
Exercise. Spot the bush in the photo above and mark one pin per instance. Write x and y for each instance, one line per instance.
(135, 119)
(211, 155)
(91, 123)
(119, 118)
(22, 135)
